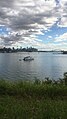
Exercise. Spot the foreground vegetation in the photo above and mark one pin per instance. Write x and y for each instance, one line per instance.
(33, 100)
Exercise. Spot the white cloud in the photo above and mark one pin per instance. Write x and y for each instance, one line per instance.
(63, 13)
(27, 19)
(61, 38)
(50, 37)
(63, 22)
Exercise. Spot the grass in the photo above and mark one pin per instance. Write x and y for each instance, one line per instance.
(33, 100)
(19, 108)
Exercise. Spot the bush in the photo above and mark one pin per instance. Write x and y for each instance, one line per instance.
(65, 78)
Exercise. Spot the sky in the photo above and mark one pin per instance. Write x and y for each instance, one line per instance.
(33, 23)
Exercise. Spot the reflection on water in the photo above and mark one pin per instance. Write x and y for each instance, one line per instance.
(43, 65)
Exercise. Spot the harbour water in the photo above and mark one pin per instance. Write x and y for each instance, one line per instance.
(44, 65)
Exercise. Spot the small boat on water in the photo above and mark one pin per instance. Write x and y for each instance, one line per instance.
(28, 58)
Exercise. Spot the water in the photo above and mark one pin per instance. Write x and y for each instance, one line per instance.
(43, 65)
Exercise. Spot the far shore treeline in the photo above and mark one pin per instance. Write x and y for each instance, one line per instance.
(11, 50)
(28, 49)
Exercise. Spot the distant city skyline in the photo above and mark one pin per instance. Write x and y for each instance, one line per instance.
(34, 23)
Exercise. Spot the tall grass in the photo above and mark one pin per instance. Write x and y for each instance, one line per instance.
(45, 99)
(47, 88)
(19, 108)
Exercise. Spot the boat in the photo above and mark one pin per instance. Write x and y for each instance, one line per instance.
(28, 58)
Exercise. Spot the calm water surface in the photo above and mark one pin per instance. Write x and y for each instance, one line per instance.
(43, 65)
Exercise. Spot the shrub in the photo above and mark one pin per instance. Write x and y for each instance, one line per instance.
(65, 78)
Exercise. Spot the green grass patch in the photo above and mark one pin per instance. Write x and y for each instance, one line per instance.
(33, 100)
(19, 108)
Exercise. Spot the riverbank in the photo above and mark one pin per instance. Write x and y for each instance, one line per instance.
(33, 100)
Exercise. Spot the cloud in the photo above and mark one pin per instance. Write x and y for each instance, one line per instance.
(26, 18)
(50, 37)
(61, 38)
(63, 15)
